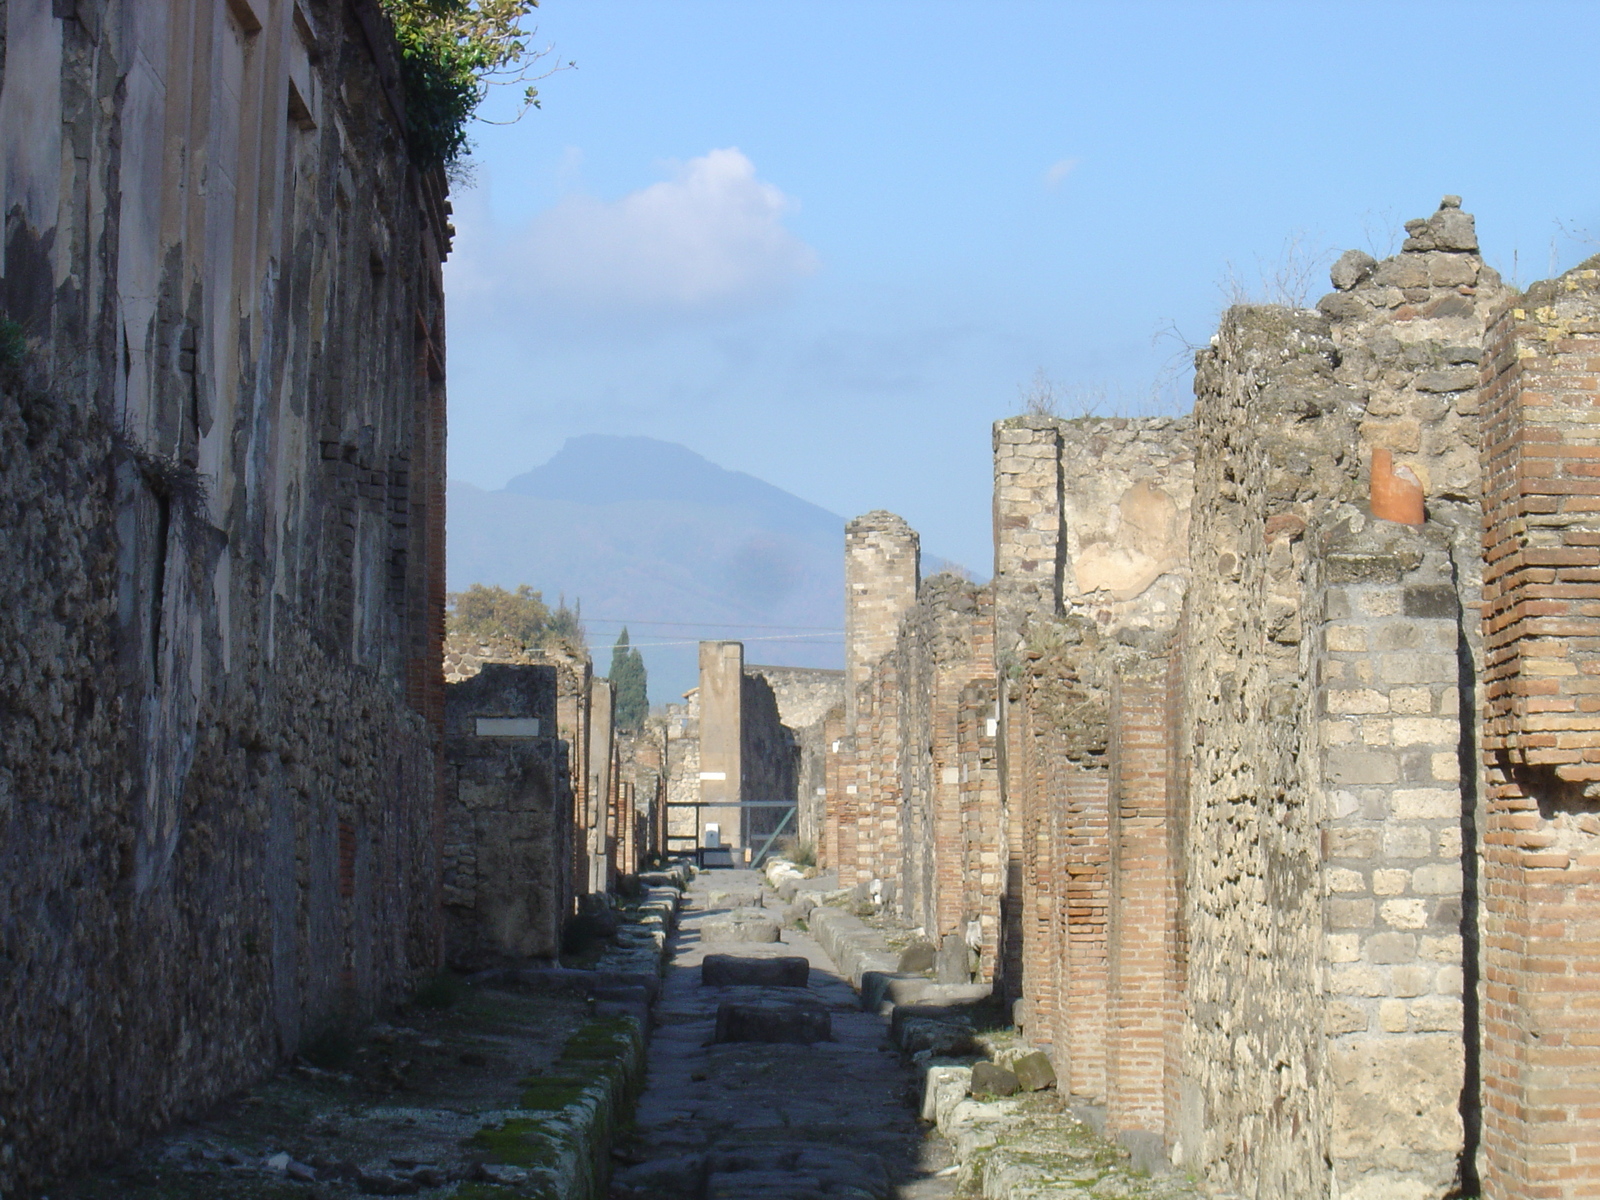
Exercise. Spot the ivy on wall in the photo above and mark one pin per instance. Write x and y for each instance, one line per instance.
(452, 52)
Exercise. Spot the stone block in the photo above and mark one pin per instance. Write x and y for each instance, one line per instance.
(1349, 914)
(1390, 881)
(1410, 701)
(1425, 804)
(1423, 731)
(943, 1039)
(1357, 979)
(1350, 639)
(1341, 1016)
(1342, 880)
(1388, 948)
(1417, 666)
(1437, 879)
(1350, 843)
(1436, 1014)
(1356, 701)
(756, 930)
(799, 1024)
(1408, 841)
(1342, 947)
(918, 957)
(991, 1080)
(1412, 979)
(1404, 913)
(728, 970)
(953, 963)
(1352, 767)
(1034, 1072)
(1392, 1016)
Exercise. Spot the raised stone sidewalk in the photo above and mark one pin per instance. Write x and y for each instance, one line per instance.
(1024, 1146)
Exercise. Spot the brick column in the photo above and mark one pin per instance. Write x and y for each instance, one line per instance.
(1541, 832)
(1142, 903)
(1085, 852)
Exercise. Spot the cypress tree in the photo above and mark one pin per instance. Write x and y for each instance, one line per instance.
(628, 678)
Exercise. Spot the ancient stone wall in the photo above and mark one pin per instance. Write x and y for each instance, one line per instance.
(221, 481)
(882, 567)
(1238, 793)
(508, 886)
(923, 757)
(806, 697)
(769, 765)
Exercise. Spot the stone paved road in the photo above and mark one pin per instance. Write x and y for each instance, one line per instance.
(758, 1121)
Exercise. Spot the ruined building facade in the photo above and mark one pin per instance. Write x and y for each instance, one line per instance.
(545, 801)
(1271, 814)
(221, 481)
(747, 753)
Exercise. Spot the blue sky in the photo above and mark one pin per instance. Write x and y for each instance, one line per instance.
(829, 243)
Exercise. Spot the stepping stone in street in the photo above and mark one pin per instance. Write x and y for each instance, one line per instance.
(729, 970)
(799, 1024)
(741, 925)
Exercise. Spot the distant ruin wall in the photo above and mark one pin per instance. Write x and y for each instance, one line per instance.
(806, 697)
(221, 480)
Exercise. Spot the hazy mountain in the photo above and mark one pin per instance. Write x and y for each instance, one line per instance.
(646, 531)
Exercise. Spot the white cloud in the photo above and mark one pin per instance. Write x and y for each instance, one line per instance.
(709, 239)
(1058, 171)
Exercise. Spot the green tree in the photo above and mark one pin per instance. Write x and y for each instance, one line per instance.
(451, 53)
(492, 612)
(628, 678)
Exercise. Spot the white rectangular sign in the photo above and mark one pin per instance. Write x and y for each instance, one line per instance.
(523, 727)
(714, 776)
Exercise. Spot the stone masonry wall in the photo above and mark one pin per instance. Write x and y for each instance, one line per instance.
(1347, 640)
(508, 886)
(221, 480)
(1261, 896)
(806, 697)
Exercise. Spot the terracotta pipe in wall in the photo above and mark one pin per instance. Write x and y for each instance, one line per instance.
(1396, 493)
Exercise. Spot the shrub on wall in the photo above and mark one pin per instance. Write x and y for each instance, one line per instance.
(451, 53)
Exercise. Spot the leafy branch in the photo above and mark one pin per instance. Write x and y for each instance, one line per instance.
(452, 52)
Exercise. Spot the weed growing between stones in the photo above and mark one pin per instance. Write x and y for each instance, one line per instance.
(13, 345)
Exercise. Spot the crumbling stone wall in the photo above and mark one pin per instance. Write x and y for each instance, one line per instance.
(806, 696)
(769, 763)
(221, 481)
(1239, 794)
(1325, 656)
(508, 884)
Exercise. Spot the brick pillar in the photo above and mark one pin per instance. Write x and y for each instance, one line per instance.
(1540, 897)
(1177, 962)
(1085, 851)
(1142, 902)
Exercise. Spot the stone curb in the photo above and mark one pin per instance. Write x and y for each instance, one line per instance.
(566, 1152)
(1004, 1148)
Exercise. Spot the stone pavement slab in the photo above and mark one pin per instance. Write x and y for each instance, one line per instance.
(830, 1120)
